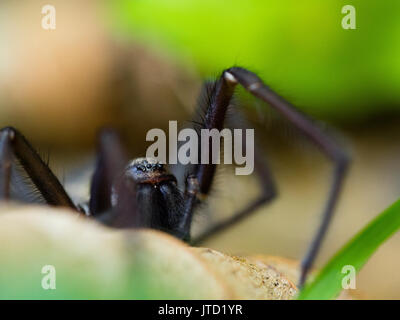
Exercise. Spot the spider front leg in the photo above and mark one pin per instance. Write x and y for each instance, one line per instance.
(111, 162)
(215, 117)
(200, 180)
(13, 143)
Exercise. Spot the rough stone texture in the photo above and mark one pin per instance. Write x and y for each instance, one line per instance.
(291, 269)
(248, 280)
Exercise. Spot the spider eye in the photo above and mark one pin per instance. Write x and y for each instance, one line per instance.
(148, 166)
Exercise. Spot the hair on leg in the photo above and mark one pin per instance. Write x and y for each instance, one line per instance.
(14, 143)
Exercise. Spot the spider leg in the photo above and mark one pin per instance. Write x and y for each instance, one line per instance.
(252, 83)
(5, 165)
(111, 161)
(327, 144)
(12, 142)
(199, 182)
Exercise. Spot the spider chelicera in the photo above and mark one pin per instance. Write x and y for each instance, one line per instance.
(144, 194)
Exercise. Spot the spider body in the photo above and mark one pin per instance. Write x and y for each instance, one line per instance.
(144, 194)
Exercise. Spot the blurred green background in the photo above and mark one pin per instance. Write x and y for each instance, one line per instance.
(137, 64)
(298, 47)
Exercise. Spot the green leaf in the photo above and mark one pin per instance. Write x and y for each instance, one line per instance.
(328, 283)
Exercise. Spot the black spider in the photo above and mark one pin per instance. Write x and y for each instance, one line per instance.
(144, 194)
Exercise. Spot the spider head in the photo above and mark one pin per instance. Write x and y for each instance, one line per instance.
(157, 200)
(148, 170)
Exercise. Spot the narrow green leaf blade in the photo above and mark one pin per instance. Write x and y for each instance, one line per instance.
(328, 283)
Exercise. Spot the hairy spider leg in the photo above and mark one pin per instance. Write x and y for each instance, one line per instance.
(12, 142)
(215, 115)
(200, 180)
